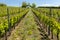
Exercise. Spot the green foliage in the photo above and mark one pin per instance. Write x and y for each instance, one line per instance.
(3, 11)
(47, 20)
(24, 5)
(11, 10)
(13, 19)
(54, 12)
(1, 4)
(33, 5)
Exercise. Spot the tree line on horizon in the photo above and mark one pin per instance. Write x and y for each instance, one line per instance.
(33, 5)
(24, 5)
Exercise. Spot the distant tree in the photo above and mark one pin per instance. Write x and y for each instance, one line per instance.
(24, 4)
(1, 4)
(33, 5)
(28, 5)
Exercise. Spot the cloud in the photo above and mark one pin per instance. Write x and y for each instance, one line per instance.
(49, 5)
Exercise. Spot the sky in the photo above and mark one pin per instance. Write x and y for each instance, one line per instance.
(37, 2)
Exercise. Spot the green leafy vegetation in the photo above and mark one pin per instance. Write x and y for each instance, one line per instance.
(50, 22)
(49, 17)
(13, 19)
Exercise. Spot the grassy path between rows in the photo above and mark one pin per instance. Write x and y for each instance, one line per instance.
(27, 29)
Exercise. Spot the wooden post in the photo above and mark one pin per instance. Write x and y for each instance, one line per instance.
(52, 34)
(57, 34)
(48, 30)
(8, 21)
(49, 25)
(5, 35)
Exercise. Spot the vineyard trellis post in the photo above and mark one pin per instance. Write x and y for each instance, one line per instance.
(8, 25)
(8, 20)
(57, 34)
(52, 28)
(49, 22)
